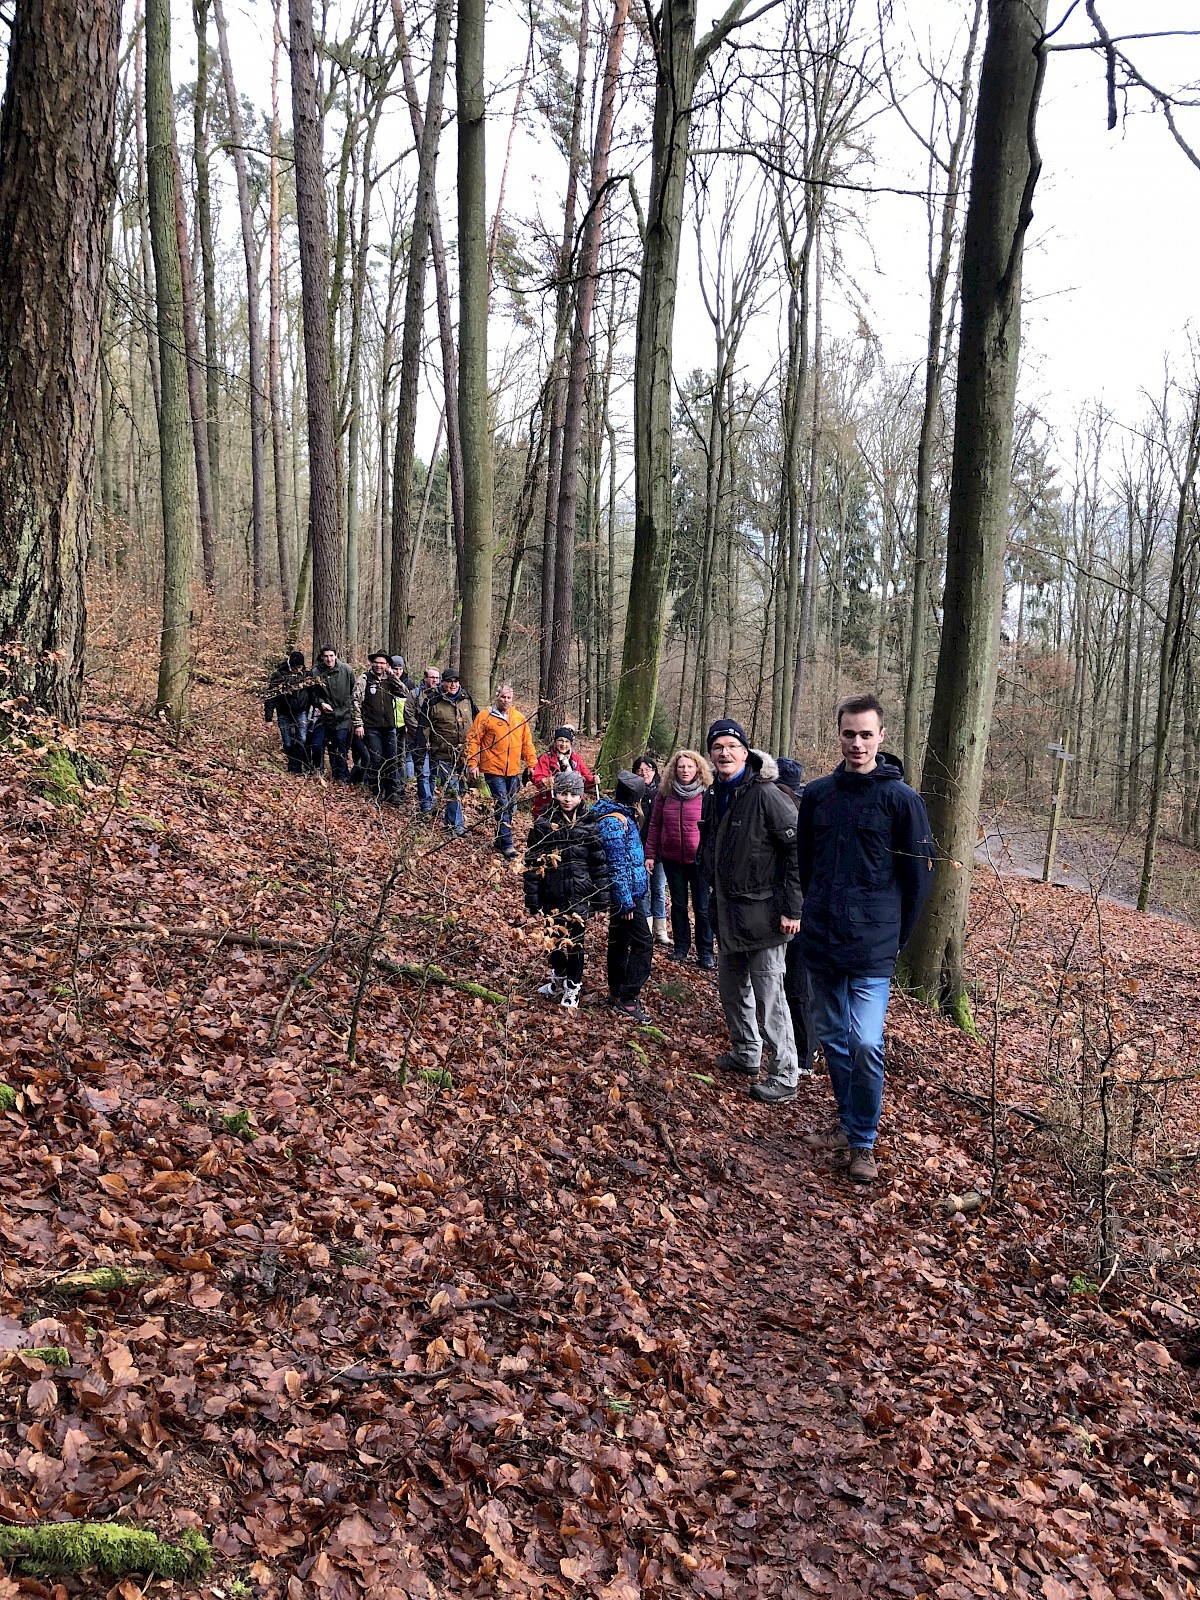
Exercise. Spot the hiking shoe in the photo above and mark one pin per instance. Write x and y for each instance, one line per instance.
(728, 1063)
(630, 1009)
(511, 853)
(553, 990)
(862, 1166)
(706, 962)
(773, 1092)
(677, 955)
(570, 995)
(831, 1139)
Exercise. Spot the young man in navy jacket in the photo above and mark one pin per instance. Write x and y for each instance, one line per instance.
(866, 864)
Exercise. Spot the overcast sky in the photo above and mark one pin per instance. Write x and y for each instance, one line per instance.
(1111, 271)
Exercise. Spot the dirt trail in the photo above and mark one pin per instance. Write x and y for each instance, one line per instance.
(558, 1318)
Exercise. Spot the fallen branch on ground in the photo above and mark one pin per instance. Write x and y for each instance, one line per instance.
(110, 1547)
(953, 1205)
(163, 930)
(1034, 1118)
(99, 1280)
(432, 974)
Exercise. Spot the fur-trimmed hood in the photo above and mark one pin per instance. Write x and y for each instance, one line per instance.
(764, 766)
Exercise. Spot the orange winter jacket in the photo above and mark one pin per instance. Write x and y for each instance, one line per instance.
(499, 746)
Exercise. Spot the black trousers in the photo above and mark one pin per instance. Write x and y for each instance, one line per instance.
(680, 880)
(630, 955)
(566, 957)
(383, 767)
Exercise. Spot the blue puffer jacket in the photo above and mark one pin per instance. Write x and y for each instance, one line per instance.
(618, 830)
(866, 864)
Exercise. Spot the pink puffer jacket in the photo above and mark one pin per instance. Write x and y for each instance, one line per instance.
(674, 828)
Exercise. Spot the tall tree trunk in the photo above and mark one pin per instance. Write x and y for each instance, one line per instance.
(937, 357)
(1004, 171)
(581, 344)
(56, 134)
(679, 60)
(473, 408)
(258, 463)
(274, 357)
(806, 637)
(1174, 640)
(413, 336)
(208, 271)
(195, 374)
(313, 228)
(556, 380)
(174, 426)
(146, 261)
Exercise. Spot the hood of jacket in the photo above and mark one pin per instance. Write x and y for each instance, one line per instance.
(888, 768)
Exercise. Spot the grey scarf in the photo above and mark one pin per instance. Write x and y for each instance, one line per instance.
(688, 791)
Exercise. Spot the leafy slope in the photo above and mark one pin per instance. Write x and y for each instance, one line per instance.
(581, 1325)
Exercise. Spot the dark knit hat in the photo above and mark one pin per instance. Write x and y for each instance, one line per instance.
(569, 783)
(726, 727)
(296, 660)
(565, 733)
(791, 773)
(397, 662)
(630, 789)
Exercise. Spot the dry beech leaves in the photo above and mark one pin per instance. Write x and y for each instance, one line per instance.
(415, 1342)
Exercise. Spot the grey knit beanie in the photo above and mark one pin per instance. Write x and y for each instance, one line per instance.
(569, 783)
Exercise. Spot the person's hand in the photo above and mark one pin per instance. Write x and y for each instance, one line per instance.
(627, 916)
(473, 774)
(358, 732)
(649, 863)
(325, 706)
(789, 925)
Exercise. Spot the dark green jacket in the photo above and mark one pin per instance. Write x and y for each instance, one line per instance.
(336, 687)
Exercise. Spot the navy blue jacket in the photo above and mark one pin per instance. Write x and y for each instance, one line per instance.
(866, 864)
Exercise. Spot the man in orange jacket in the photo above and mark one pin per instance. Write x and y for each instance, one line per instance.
(500, 746)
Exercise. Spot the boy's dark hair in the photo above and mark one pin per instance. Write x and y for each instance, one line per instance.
(856, 704)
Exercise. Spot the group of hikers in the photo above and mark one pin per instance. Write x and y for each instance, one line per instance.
(799, 895)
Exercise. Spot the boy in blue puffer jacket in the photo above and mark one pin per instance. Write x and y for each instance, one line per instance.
(630, 944)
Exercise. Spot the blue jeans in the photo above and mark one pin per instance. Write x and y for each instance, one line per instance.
(338, 740)
(293, 736)
(424, 781)
(406, 760)
(658, 891)
(847, 1017)
(504, 793)
(449, 776)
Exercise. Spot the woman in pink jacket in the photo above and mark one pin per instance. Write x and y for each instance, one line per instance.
(674, 839)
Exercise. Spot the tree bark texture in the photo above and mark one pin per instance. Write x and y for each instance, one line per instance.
(563, 625)
(473, 407)
(195, 376)
(313, 228)
(56, 133)
(1004, 171)
(274, 357)
(679, 59)
(204, 228)
(413, 335)
(174, 420)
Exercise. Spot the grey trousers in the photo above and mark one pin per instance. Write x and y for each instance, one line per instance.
(747, 985)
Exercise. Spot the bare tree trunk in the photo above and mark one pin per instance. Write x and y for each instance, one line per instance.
(146, 261)
(204, 228)
(174, 427)
(585, 297)
(806, 638)
(679, 60)
(56, 134)
(473, 409)
(1004, 172)
(274, 357)
(313, 228)
(258, 464)
(413, 335)
(195, 376)
(937, 356)
(556, 380)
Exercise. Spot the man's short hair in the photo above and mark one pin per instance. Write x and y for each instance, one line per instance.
(855, 704)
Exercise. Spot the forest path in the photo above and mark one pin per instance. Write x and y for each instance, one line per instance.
(554, 1316)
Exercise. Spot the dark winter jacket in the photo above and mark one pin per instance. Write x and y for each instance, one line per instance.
(645, 810)
(674, 827)
(447, 722)
(749, 859)
(618, 829)
(290, 692)
(866, 864)
(566, 868)
(375, 700)
(335, 686)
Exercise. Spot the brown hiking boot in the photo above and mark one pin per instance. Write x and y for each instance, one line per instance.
(831, 1139)
(862, 1167)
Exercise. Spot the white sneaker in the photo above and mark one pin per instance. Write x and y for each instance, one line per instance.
(570, 995)
(553, 989)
